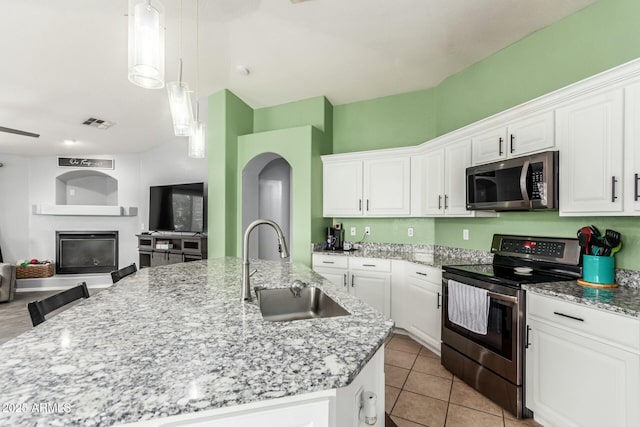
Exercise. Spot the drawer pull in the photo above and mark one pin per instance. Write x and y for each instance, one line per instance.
(328, 262)
(569, 317)
(368, 265)
(421, 273)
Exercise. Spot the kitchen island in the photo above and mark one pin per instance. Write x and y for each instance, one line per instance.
(177, 340)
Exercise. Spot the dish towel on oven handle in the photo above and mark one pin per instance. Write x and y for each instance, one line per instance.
(468, 307)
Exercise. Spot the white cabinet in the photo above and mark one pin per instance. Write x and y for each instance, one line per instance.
(444, 180)
(366, 278)
(631, 176)
(373, 186)
(528, 135)
(342, 188)
(583, 365)
(423, 297)
(590, 139)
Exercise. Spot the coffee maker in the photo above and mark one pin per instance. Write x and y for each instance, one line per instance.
(335, 238)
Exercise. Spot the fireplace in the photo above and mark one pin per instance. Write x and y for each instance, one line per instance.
(79, 252)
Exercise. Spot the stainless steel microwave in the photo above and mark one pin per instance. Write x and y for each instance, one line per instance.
(522, 183)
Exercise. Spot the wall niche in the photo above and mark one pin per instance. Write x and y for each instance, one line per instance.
(81, 187)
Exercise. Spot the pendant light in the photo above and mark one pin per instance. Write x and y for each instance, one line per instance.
(146, 43)
(180, 98)
(197, 140)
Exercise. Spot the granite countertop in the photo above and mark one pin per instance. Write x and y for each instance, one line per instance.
(176, 339)
(441, 256)
(621, 300)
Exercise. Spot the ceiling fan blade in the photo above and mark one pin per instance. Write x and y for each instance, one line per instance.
(19, 132)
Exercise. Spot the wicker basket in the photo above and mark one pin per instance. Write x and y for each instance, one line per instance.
(34, 271)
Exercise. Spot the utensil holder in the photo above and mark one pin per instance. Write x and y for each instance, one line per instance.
(598, 269)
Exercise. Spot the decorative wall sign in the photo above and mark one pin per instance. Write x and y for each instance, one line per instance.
(80, 162)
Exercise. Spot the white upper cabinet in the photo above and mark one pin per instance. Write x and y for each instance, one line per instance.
(342, 188)
(370, 186)
(441, 176)
(631, 177)
(387, 186)
(528, 135)
(590, 139)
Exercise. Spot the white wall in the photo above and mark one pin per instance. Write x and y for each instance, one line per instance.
(43, 172)
(14, 207)
(167, 164)
(25, 181)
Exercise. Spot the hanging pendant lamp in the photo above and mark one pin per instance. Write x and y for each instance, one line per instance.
(146, 43)
(180, 105)
(198, 138)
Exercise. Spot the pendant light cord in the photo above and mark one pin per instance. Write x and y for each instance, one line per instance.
(197, 59)
(180, 47)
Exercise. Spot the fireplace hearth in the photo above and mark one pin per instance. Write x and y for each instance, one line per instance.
(80, 252)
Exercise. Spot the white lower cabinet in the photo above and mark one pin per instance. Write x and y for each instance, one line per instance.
(580, 371)
(423, 296)
(366, 278)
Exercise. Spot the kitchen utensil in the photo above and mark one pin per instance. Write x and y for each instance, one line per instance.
(612, 239)
(616, 249)
(584, 237)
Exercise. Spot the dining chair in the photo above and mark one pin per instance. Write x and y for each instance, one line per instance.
(123, 272)
(38, 309)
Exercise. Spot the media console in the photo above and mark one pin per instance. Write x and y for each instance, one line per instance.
(163, 249)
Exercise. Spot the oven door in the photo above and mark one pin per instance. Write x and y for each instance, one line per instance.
(500, 349)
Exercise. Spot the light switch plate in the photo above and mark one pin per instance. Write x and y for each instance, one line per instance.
(465, 234)
(353, 231)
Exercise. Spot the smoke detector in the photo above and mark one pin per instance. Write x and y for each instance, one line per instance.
(98, 123)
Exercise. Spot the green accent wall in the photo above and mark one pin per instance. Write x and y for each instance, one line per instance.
(300, 132)
(228, 118)
(301, 148)
(594, 39)
(389, 122)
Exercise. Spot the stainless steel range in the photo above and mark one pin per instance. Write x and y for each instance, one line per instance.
(483, 323)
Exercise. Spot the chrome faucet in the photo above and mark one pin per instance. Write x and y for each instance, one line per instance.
(282, 248)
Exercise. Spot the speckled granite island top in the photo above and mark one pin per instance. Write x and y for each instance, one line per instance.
(176, 339)
(622, 300)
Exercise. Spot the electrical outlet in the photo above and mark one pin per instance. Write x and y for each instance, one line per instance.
(465, 234)
(410, 231)
(367, 230)
(353, 231)
(142, 227)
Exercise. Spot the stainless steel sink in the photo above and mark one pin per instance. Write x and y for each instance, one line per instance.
(281, 305)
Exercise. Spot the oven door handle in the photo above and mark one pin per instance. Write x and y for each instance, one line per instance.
(501, 297)
(523, 183)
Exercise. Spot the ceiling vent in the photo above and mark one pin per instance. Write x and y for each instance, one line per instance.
(98, 123)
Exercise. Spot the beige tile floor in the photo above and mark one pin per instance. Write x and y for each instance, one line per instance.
(421, 392)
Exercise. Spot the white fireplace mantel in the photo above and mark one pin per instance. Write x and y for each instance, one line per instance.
(85, 210)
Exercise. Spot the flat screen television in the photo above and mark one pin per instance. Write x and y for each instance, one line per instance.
(178, 207)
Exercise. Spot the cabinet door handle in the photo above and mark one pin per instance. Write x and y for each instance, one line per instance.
(421, 273)
(526, 340)
(569, 317)
(511, 138)
(328, 262)
(439, 202)
(446, 201)
(367, 205)
(439, 305)
(613, 189)
(359, 205)
(344, 279)
(635, 186)
(352, 280)
(500, 146)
